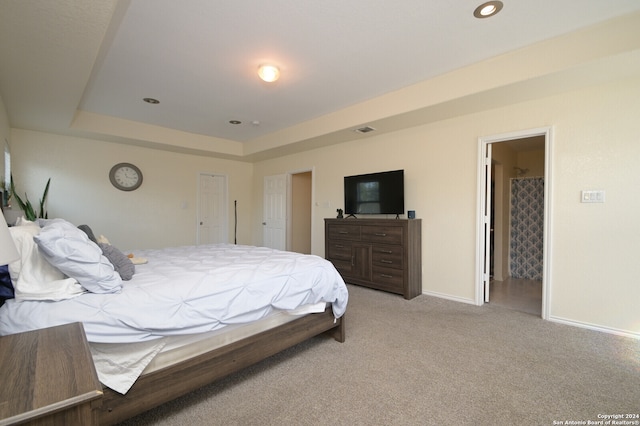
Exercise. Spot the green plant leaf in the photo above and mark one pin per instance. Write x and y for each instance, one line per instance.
(27, 207)
(43, 213)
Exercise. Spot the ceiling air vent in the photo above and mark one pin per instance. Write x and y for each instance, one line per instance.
(365, 129)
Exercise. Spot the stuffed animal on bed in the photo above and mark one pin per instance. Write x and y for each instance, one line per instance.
(121, 262)
(135, 260)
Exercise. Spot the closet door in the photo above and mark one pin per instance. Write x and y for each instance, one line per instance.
(212, 208)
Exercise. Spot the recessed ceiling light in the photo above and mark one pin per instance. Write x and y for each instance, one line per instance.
(269, 73)
(151, 101)
(235, 121)
(488, 9)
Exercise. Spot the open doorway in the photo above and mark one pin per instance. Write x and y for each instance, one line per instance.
(517, 224)
(300, 235)
(513, 218)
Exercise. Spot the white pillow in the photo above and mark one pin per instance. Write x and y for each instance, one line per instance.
(70, 250)
(32, 276)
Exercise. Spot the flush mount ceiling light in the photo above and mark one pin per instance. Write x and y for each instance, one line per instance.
(269, 73)
(151, 101)
(488, 9)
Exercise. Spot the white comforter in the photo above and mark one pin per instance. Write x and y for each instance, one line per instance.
(186, 290)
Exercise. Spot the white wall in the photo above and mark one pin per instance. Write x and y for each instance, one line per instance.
(5, 132)
(594, 254)
(162, 212)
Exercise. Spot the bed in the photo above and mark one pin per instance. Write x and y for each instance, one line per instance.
(186, 317)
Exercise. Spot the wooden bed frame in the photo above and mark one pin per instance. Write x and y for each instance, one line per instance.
(158, 387)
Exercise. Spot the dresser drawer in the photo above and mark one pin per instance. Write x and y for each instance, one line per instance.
(340, 250)
(344, 232)
(382, 234)
(388, 256)
(392, 279)
(345, 268)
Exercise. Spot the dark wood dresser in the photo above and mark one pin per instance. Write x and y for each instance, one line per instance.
(385, 254)
(48, 378)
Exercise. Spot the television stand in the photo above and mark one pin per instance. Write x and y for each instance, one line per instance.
(385, 254)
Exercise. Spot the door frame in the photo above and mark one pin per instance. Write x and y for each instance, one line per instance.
(289, 230)
(484, 176)
(291, 202)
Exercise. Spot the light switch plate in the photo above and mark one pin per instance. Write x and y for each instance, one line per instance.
(592, 196)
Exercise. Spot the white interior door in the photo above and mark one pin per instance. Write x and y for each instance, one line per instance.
(212, 209)
(486, 274)
(274, 221)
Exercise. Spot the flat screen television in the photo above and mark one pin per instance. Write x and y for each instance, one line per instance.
(374, 193)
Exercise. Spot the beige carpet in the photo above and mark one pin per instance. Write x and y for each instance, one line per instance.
(427, 361)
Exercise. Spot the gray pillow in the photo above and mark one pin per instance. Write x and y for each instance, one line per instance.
(87, 230)
(121, 263)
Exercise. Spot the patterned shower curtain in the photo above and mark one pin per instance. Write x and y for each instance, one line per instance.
(527, 228)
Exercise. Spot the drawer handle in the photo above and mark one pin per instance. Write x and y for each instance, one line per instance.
(385, 251)
(386, 261)
(386, 276)
(343, 232)
(339, 246)
(380, 234)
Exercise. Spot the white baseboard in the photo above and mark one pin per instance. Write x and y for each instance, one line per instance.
(449, 297)
(596, 327)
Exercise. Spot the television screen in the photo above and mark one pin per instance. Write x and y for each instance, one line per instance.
(374, 193)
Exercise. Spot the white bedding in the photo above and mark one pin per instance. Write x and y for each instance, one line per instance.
(188, 290)
(120, 364)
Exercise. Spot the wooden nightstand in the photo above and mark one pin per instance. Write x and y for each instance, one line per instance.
(47, 377)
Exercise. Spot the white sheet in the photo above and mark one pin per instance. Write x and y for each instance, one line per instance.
(189, 290)
(120, 364)
(34, 278)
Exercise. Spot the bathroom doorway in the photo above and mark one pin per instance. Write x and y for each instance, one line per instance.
(513, 225)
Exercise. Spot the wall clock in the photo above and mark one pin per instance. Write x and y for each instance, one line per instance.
(125, 176)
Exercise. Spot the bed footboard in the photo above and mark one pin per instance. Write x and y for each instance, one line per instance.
(164, 385)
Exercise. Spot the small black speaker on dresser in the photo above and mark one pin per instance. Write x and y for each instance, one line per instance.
(411, 214)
